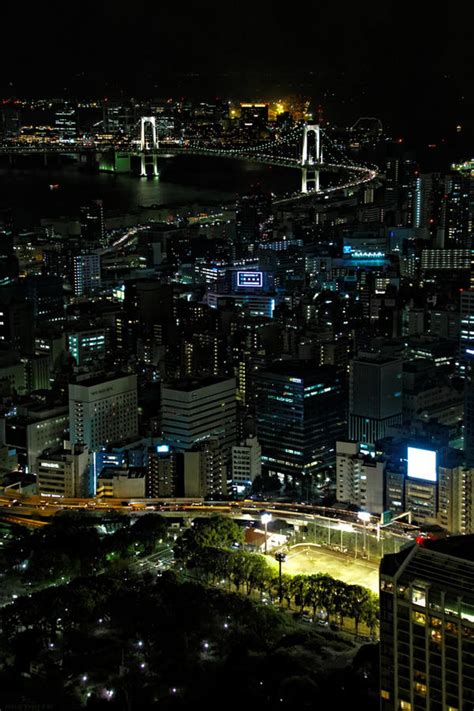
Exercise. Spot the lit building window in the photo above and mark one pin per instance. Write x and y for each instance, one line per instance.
(419, 618)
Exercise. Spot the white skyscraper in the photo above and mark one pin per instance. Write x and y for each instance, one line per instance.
(103, 411)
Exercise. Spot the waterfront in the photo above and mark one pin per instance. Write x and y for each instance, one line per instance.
(26, 188)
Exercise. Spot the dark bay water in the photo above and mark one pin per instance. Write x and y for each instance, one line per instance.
(183, 180)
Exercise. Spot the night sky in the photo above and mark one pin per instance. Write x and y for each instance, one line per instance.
(410, 63)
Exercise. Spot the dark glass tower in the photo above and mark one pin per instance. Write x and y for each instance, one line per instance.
(300, 412)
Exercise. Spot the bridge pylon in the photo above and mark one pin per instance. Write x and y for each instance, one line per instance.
(148, 146)
(311, 158)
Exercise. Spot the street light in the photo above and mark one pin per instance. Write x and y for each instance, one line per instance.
(265, 519)
(280, 557)
(365, 517)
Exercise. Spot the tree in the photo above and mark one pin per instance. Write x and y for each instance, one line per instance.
(218, 532)
(265, 483)
(341, 600)
(326, 583)
(286, 587)
(148, 531)
(358, 598)
(215, 532)
(259, 573)
(370, 613)
(299, 586)
(239, 568)
(313, 592)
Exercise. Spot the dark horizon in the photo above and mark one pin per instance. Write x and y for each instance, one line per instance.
(410, 67)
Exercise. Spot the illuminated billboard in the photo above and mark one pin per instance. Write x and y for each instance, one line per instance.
(252, 279)
(422, 464)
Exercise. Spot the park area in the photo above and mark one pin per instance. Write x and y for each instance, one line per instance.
(311, 559)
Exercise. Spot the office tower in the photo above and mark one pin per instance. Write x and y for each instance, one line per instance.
(246, 463)
(35, 429)
(86, 273)
(455, 496)
(12, 375)
(37, 372)
(431, 394)
(66, 124)
(441, 207)
(202, 471)
(64, 472)
(466, 338)
(427, 626)
(359, 477)
(251, 212)
(253, 116)
(45, 293)
(469, 407)
(161, 472)
(150, 303)
(375, 396)
(92, 222)
(300, 413)
(87, 346)
(103, 410)
(445, 323)
(50, 342)
(442, 260)
(11, 122)
(16, 322)
(456, 211)
(202, 354)
(195, 410)
(9, 264)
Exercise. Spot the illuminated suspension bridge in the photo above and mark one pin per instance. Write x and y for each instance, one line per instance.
(306, 147)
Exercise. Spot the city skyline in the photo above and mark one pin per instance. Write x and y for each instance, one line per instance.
(236, 357)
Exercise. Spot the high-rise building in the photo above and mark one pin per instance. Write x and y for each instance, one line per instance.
(12, 375)
(66, 124)
(427, 626)
(375, 396)
(359, 478)
(300, 413)
(64, 472)
(454, 259)
(87, 346)
(253, 117)
(45, 293)
(469, 407)
(37, 372)
(33, 431)
(252, 210)
(195, 410)
(16, 321)
(103, 410)
(456, 211)
(466, 337)
(456, 498)
(92, 222)
(246, 463)
(202, 472)
(86, 273)
(161, 472)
